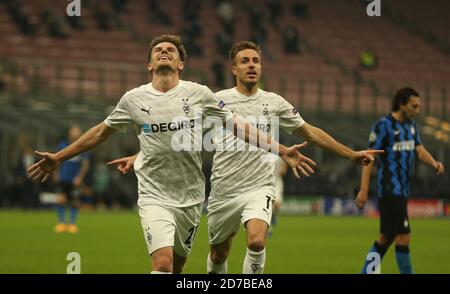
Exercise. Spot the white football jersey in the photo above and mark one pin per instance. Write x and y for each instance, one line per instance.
(238, 172)
(169, 129)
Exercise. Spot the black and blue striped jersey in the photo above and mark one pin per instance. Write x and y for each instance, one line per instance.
(399, 141)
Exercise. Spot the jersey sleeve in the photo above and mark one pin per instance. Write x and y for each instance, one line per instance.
(214, 106)
(289, 117)
(377, 135)
(120, 118)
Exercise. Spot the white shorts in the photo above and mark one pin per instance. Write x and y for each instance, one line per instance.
(226, 215)
(168, 226)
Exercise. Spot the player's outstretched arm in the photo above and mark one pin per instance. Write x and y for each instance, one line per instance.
(428, 159)
(42, 169)
(322, 139)
(124, 164)
(252, 135)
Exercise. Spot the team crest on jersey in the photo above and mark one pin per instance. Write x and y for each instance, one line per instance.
(413, 131)
(146, 110)
(294, 111)
(186, 108)
(266, 112)
(148, 236)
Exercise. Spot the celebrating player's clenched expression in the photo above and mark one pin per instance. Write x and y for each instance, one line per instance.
(165, 57)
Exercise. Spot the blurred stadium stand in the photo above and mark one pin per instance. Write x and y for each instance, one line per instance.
(56, 70)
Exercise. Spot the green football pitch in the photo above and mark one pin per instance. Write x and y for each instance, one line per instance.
(112, 242)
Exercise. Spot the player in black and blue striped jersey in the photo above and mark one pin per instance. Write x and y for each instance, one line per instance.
(398, 135)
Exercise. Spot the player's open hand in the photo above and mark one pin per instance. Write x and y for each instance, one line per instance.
(124, 164)
(298, 162)
(366, 157)
(42, 169)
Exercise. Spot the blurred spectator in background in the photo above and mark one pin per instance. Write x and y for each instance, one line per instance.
(192, 28)
(226, 15)
(300, 10)
(368, 59)
(223, 43)
(76, 22)
(258, 30)
(291, 40)
(28, 25)
(275, 10)
(72, 174)
(157, 14)
(103, 15)
(219, 73)
(56, 26)
(119, 5)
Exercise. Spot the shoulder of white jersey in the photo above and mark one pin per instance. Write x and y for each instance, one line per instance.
(193, 85)
(225, 93)
(271, 95)
(136, 91)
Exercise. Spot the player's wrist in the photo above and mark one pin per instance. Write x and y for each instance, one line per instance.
(353, 156)
(364, 190)
(281, 150)
(58, 158)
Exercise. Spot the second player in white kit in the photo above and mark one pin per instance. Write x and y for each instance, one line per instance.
(243, 182)
(239, 194)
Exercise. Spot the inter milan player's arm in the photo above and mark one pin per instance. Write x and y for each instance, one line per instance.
(428, 159)
(363, 193)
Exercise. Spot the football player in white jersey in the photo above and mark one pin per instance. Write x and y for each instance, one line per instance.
(245, 195)
(170, 181)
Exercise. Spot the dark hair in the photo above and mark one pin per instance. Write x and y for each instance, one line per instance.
(174, 39)
(402, 97)
(242, 45)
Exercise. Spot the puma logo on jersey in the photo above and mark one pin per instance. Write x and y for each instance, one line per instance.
(146, 110)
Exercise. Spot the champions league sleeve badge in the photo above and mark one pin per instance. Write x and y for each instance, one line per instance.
(221, 104)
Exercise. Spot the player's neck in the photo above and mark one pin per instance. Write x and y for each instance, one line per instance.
(398, 116)
(247, 90)
(164, 83)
